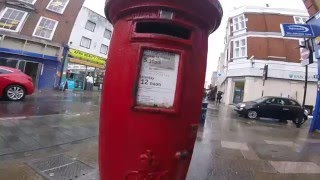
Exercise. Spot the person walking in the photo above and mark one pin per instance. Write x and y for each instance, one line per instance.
(219, 97)
(89, 83)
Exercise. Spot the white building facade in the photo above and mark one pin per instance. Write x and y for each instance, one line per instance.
(91, 34)
(254, 40)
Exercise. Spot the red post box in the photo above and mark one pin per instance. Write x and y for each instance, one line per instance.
(152, 95)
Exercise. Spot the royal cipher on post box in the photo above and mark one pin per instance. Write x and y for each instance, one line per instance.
(153, 89)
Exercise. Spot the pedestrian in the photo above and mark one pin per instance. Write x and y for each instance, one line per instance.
(219, 97)
(89, 83)
(205, 93)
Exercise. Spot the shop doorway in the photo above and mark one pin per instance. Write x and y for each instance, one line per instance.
(238, 92)
(33, 70)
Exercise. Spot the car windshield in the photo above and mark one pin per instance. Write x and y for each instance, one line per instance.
(260, 100)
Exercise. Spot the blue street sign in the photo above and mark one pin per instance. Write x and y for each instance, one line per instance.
(297, 30)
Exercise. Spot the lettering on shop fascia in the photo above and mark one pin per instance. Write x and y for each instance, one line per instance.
(302, 77)
(87, 57)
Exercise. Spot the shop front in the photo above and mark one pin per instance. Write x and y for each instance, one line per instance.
(78, 66)
(43, 70)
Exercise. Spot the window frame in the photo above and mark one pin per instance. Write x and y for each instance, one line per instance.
(240, 48)
(33, 1)
(21, 23)
(106, 51)
(236, 21)
(53, 30)
(95, 24)
(83, 37)
(107, 30)
(300, 18)
(64, 8)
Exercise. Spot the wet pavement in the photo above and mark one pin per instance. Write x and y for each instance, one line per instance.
(53, 135)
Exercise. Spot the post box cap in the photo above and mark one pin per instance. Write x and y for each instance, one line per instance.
(207, 11)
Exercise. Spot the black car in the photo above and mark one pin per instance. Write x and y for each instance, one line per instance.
(274, 107)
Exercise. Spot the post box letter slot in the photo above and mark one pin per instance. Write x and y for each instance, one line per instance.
(163, 28)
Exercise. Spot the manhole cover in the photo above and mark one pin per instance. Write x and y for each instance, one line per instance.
(60, 167)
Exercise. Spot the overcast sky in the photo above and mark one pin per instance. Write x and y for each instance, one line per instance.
(216, 39)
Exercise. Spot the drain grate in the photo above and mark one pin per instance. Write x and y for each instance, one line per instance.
(60, 167)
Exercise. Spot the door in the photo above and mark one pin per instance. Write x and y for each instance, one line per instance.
(33, 70)
(295, 110)
(238, 92)
(272, 108)
(3, 83)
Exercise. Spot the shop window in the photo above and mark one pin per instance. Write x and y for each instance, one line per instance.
(104, 49)
(239, 48)
(107, 34)
(90, 26)
(45, 28)
(85, 42)
(12, 19)
(239, 23)
(300, 20)
(29, 1)
(58, 6)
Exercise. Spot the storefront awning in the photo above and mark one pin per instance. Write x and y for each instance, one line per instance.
(83, 58)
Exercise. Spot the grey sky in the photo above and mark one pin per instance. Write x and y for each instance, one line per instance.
(216, 45)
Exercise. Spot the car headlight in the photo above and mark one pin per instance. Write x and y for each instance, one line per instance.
(306, 112)
(242, 105)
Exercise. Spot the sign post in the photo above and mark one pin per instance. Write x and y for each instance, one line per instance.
(297, 30)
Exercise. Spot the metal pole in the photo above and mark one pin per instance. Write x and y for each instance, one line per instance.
(305, 87)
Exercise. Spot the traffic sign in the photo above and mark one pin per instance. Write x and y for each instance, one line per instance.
(297, 30)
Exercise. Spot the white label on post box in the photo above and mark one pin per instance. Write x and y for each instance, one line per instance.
(158, 79)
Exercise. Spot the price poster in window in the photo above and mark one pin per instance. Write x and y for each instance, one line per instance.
(158, 79)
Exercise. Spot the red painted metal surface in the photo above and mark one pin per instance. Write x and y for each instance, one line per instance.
(143, 142)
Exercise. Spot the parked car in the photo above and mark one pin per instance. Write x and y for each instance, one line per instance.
(274, 107)
(14, 84)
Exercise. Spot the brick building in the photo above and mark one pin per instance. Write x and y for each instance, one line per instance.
(254, 40)
(313, 6)
(32, 36)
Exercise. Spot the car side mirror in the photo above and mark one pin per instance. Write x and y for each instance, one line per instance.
(267, 103)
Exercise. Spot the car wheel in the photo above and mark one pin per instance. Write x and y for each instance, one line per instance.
(15, 93)
(252, 114)
(297, 123)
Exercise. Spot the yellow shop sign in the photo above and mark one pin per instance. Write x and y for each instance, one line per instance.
(86, 58)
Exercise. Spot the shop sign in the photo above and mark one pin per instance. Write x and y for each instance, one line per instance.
(301, 77)
(87, 58)
(86, 63)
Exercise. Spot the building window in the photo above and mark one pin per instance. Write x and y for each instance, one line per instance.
(107, 34)
(12, 19)
(58, 6)
(239, 48)
(45, 28)
(29, 1)
(90, 26)
(239, 23)
(104, 49)
(300, 20)
(85, 42)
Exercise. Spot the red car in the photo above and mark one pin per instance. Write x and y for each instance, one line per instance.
(14, 84)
